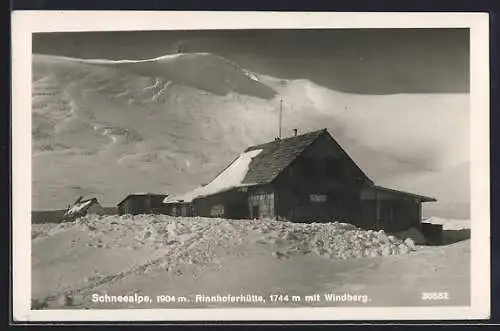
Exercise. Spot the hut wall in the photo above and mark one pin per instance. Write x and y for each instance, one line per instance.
(312, 205)
(96, 209)
(320, 186)
(391, 212)
(133, 206)
(142, 204)
(261, 202)
(368, 218)
(156, 205)
(229, 204)
(178, 209)
(433, 233)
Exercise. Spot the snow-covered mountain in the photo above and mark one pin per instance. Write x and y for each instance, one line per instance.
(107, 128)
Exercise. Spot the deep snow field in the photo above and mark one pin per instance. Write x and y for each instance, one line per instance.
(162, 255)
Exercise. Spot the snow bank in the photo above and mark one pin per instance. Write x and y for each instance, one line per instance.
(334, 240)
(191, 237)
(450, 224)
(231, 177)
(42, 229)
(94, 252)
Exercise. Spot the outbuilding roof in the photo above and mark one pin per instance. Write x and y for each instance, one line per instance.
(163, 195)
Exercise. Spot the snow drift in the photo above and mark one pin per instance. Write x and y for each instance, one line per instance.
(153, 254)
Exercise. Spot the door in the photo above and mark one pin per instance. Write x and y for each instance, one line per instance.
(255, 211)
(387, 215)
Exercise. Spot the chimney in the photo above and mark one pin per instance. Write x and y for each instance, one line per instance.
(295, 132)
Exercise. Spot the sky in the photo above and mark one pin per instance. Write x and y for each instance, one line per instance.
(363, 61)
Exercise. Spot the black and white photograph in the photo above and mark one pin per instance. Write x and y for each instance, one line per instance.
(214, 169)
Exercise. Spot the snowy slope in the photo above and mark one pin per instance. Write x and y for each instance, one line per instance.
(108, 128)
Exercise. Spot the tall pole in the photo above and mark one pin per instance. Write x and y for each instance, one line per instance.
(281, 112)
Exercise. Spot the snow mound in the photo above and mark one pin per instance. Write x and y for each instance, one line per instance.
(231, 177)
(334, 240)
(196, 238)
(42, 229)
(94, 253)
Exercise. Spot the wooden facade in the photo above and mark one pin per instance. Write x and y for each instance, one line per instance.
(310, 178)
(261, 202)
(320, 185)
(143, 203)
(389, 209)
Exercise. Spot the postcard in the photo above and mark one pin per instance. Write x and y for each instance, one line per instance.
(243, 166)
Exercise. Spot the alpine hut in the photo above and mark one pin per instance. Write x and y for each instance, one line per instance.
(142, 203)
(304, 178)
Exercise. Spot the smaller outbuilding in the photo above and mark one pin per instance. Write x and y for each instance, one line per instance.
(83, 207)
(142, 203)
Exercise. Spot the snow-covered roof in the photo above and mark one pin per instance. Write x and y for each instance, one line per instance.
(231, 177)
(147, 193)
(138, 194)
(81, 206)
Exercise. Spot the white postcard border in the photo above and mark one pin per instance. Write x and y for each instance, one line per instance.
(24, 23)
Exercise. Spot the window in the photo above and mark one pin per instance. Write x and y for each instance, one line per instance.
(317, 197)
(217, 211)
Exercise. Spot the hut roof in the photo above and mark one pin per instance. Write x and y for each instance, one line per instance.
(259, 164)
(80, 207)
(269, 160)
(232, 176)
(277, 155)
(139, 194)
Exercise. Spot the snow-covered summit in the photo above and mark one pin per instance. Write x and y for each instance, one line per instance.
(203, 71)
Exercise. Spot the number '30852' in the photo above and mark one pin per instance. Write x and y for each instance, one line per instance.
(435, 296)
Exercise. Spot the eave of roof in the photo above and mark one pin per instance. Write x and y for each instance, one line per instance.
(422, 198)
(139, 195)
(233, 188)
